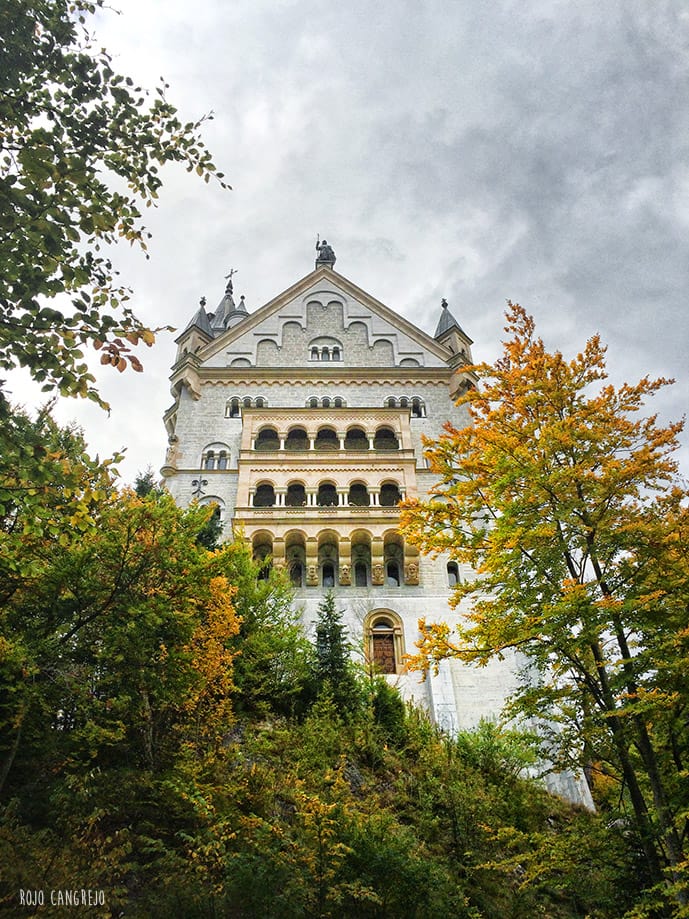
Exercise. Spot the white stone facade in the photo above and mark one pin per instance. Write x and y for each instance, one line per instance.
(304, 422)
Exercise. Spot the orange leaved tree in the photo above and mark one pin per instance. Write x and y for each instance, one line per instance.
(566, 502)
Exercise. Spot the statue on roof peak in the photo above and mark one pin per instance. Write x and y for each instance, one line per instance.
(326, 255)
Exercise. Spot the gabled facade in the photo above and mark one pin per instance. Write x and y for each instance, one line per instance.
(303, 421)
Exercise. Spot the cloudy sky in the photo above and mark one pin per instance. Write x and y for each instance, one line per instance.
(536, 151)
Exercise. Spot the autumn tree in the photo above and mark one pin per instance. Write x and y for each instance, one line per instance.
(81, 151)
(565, 501)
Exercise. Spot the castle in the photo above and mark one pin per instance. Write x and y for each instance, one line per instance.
(303, 422)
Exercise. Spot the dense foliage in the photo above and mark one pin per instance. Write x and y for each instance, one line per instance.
(170, 736)
(567, 505)
(81, 152)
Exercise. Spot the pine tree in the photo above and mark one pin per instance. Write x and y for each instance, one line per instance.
(333, 667)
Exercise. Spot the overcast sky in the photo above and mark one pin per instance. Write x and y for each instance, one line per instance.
(536, 151)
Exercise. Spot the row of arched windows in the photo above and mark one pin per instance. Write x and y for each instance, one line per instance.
(414, 404)
(326, 568)
(326, 353)
(327, 495)
(325, 402)
(213, 460)
(234, 406)
(327, 438)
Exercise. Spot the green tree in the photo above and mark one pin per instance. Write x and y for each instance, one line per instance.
(333, 670)
(565, 503)
(272, 669)
(211, 534)
(49, 489)
(114, 642)
(81, 151)
(145, 483)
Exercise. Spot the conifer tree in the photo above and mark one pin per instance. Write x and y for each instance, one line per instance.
(333, 668)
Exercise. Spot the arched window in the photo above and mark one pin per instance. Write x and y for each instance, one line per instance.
(404, 402)
(385, 641)
(262, 551)
(326, 402)
(222, 460)
(358, 495)
(385, 439)
(260, 402)
(264, 495)
(393, 552)
(336, 354)
(417, 409)
(327, 495)
(267, 439)
(360, 574)
(338, 403)
(247, 402)
(327, 439)
(296, 495)
(328, 575)
(325, 354)
(356, 439)
(452, 574)
(314, 354)
(209, 461)
(328, 558)
(391, 402)
(296, 558)
(232, 408)
(297, 439)
(296, 574)
(392, 574)
(390, 495)
(313, 402)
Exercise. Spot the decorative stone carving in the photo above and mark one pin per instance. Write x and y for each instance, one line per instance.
(345, 575)
(411, 573)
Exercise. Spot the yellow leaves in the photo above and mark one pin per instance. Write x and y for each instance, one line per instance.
(212, 659)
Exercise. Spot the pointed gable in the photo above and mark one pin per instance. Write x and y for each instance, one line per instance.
(324, 319)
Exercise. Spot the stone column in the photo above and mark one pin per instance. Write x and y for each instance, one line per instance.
(252, 495)
(342, 497)
(311, 497)
(341, 438)
(377, 561)
(345, 553)
(370, 441)
(280, 494)
(375, 497)
(312, 562)
(279, 552)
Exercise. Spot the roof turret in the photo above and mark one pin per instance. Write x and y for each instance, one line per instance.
(447, 321)
(200, 321)
(228, 312)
